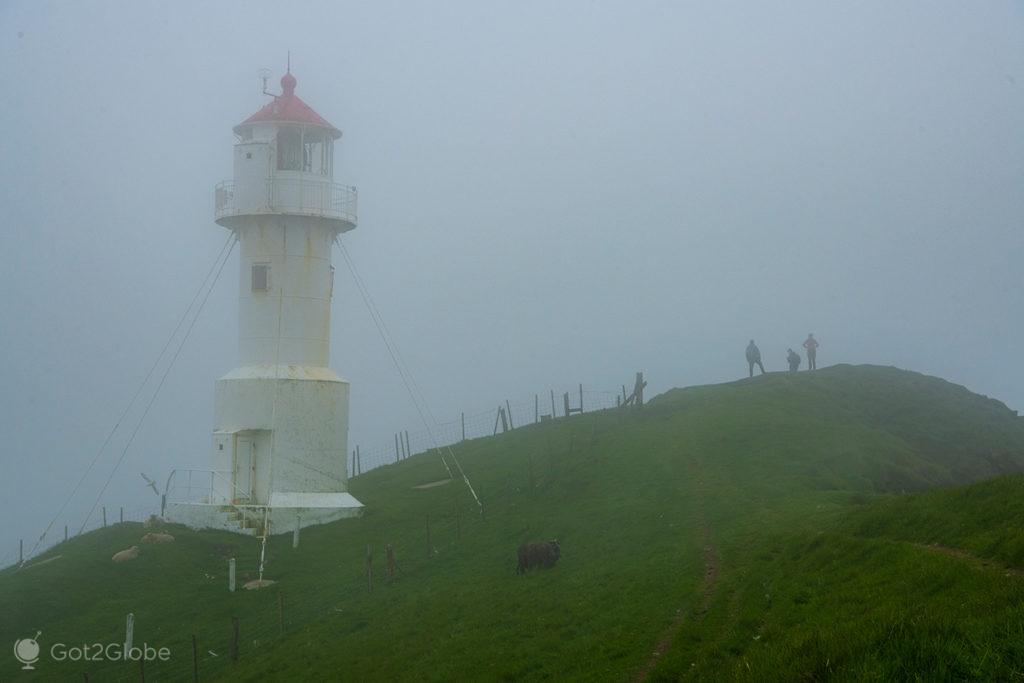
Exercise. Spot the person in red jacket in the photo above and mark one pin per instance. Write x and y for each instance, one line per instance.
(811, 344)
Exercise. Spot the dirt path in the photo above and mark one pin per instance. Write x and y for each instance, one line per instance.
(707, 593)
(974, 559)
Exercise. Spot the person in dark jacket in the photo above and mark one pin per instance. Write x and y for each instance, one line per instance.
(811, 344)
(794, 360)
(754, 357)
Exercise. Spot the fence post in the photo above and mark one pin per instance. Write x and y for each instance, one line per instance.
(122, 514)
(21, 551)
(581, 397)
(234, 639)
(369, 569)
(463, 425)
(398, 454)
(295, 533)
(231, 575)
(353, 462)
(553, 413)
(104, 515)
(195, 660)
(408, 448)
(508, 409)
(389, 552)
(536, 409)
(280, 610)
(129, 631)
(65, 532)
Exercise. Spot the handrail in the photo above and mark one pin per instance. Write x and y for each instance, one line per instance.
(302, 196)
(214, 495)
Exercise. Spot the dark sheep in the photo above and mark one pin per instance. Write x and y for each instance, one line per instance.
(542, 554)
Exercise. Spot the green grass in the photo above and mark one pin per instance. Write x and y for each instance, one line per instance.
(799, 482)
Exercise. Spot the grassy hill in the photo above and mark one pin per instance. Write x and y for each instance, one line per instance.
(785, 527)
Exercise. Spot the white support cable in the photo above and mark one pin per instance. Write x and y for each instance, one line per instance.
(419, 401)
(160, 385)
(388, 343)
(131, 403)
(404, 372)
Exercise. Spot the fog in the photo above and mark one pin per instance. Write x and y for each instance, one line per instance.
(550, 193)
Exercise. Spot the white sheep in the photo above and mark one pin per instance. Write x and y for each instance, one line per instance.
(125, 555)
(157, 538)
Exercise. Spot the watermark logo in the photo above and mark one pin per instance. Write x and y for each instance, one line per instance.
(26, 651)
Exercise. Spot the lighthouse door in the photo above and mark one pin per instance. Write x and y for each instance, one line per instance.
(245, 462)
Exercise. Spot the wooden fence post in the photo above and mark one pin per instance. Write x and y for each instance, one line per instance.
(65, 532)
(233, 649)
(104, 516)
(553, 413)
(508, 409)
(389, 553)
(295, 533)
(398, 454)
(122, 514)
(463, 425)
(359, 459)
(21, 551)
(369, 569)
(408, 448)
(581, 398)
(280, 609)
(536, 409)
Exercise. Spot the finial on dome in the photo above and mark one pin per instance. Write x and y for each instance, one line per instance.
(288, 81)
(288, 84)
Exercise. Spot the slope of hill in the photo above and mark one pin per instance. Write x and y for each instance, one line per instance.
(754, 529)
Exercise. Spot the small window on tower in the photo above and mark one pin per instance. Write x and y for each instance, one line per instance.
(260, 277)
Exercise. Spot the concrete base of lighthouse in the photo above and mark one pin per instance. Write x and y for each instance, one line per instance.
(282, 517)
(279, 454)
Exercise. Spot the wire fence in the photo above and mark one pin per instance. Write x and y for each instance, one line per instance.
(108, 516)
(501, 418)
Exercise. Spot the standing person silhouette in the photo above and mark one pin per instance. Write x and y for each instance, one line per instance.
(811, 344)
(754, 357)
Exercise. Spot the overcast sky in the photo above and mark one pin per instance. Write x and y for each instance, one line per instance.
(550, 193)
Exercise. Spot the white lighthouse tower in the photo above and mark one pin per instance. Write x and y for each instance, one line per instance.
(281, 417)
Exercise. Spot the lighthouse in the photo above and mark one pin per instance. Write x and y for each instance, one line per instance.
(280, 434)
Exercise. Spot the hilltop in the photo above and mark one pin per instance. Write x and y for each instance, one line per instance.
(780, 527)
